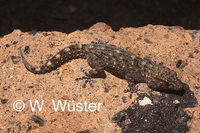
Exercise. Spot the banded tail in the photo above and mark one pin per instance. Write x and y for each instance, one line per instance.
(65, 55)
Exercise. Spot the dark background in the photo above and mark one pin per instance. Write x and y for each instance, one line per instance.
(70, 15)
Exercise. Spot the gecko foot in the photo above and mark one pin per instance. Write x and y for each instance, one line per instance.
(88, 79)
(148, 59)
(98, 41)
(132, 89)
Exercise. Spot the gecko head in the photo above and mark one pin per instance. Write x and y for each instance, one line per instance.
(163, 79)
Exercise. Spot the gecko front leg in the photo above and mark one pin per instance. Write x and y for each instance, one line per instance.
(132, 86)
(97, 67)
(132, 89)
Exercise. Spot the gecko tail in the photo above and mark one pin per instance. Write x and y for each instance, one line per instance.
(29, 67)
(65, 55)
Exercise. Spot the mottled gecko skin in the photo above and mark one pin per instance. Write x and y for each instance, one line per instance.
(120, 62)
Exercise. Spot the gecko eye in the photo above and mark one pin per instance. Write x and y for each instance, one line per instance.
(171, 85)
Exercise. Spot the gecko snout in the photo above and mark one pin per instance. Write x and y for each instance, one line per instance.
(176, 85)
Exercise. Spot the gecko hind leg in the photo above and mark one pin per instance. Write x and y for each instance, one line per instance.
(148, 59)
(97, 68)
(87, 77)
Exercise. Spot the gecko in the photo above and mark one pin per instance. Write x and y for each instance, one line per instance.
(119, 62)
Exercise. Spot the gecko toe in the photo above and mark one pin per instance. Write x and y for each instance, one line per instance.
(98, 41)
(132, 89)
(88, 79)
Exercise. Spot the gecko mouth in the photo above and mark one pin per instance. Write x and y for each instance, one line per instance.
(174, 89)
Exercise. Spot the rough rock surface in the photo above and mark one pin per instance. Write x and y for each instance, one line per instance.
(165, 44)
